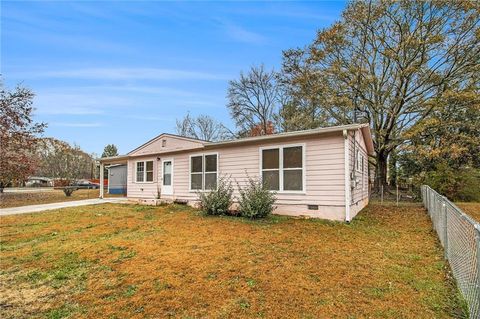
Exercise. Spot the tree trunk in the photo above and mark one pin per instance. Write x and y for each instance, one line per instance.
(392, 164)
(381, 172)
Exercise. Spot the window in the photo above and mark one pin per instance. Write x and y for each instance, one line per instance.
(210, 171)
(203, 172)
(144, 171)
(140, 171)
(282, 168)
(164, 143)
(271, 169)
(363, 172)
(357, 160)
(167, 173)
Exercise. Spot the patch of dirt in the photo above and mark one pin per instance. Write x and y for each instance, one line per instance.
(25, 300)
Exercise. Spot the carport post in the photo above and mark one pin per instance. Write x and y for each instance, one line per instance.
(101, 179)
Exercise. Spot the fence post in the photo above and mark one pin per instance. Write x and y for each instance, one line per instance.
(445, 231)
(427, 194)
(429, 201)
(477, 233)
(424, 195)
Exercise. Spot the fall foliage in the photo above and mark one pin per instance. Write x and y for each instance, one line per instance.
(385, 63)
(18, 135)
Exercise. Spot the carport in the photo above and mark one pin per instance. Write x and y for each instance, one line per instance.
(107, 161)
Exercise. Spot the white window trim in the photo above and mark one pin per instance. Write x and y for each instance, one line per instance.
(170, 159)
(281, 169)
(363, 173)
(203, 171)
(145, 172)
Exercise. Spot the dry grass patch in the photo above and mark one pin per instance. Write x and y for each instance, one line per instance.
(46, 197)
(124, 261)
(472, 209)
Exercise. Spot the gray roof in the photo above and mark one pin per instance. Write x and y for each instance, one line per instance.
(321, 130)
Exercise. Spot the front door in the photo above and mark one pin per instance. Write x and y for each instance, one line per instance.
(167, 177)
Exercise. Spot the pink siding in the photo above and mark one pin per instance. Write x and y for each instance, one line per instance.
(145, 189)
(324, 169)
(359, 195)
(172, 144)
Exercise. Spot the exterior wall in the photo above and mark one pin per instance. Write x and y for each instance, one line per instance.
(172, 144)
(359, 190)
(117, 179)
(144, 189)
(324, 170)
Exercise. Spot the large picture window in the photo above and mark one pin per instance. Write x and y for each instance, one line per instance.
(144, 171)
(203, 172)
(283, 168)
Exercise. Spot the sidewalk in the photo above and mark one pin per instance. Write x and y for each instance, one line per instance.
(43, 207)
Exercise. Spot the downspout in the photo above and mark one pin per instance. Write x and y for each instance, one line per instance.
(101, 179)
(347, 175)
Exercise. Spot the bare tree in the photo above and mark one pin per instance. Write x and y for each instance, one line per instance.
(58, 159)
(254, 100)
(386, 62)
(202, 127)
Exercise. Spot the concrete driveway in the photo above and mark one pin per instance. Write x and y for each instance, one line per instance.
(27, 189)
(43, 207)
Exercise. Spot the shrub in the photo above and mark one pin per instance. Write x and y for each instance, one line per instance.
(255, 200)
(217, 202)
(458, 184)
(68, 191)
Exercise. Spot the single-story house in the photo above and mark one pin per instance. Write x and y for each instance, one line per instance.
(117, 179)
(320, 172)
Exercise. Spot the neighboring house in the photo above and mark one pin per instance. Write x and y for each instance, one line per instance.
(37, 181)
(318, 173)
(117, 179)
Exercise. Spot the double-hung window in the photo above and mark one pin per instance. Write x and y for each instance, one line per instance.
(203, 172)
(283, 168)
(358, 164)
(144, 171)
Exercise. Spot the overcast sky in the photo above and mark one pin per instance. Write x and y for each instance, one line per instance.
(122, 72)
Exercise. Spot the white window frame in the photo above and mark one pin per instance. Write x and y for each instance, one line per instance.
(281, 169)
(358, 155)
(145, 172)
(203, 171)
(363, 172)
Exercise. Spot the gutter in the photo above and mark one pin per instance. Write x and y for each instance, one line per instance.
(347, 175)
(112, 158)
(322, 130)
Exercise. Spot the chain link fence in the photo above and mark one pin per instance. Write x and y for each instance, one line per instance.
(459, 235)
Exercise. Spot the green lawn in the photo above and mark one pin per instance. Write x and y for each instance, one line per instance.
(131, 261)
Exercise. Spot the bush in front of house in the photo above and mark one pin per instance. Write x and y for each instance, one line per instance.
(217, 201)
(255, 200)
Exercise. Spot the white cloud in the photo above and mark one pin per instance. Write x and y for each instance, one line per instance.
(69, 124)
(151, 118)
(77, 103)
(241, 34)
(123, 74)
